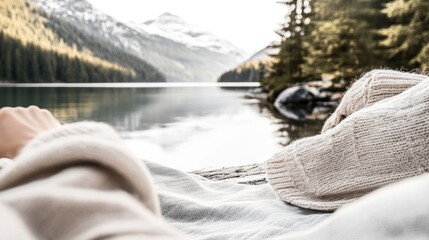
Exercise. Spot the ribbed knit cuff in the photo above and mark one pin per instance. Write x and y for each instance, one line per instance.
(305, 173)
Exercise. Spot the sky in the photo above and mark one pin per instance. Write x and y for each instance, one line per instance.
(248, 24)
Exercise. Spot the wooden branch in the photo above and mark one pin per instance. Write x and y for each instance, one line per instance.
(253, 174)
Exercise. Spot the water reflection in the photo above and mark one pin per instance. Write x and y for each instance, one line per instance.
(288, 130)
(186, 128)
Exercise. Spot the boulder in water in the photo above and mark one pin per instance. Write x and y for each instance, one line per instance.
(297, 95)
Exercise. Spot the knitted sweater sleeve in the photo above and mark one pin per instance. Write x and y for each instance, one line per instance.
(79, 181)
(372, 87)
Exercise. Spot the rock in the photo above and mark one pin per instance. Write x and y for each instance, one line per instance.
(293, 102)
(296, 95)
(298, 112)
(300, 102)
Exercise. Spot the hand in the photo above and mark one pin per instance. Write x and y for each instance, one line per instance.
(19, 125)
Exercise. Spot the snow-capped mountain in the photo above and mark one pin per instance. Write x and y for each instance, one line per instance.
(179, 61)
(173, 27)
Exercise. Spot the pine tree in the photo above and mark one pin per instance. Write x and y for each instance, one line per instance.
(8, 64)
(35, 67)
(2, 56)
(344, 40)
(18, 76)
(408, 39)
(287, 68)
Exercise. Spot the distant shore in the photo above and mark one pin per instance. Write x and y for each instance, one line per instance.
(135, 85)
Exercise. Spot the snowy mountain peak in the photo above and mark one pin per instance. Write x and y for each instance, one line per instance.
(173, 27)
(181, 51)
(166, 18)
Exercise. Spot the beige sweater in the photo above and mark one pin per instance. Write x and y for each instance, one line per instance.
(79, 182)
(378, 142)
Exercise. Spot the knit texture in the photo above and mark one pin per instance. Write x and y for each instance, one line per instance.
(376, 145)
(371, 88)
(79, 181)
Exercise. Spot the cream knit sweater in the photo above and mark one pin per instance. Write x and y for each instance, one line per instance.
(79, 182)
(371, 88)
(378, 142)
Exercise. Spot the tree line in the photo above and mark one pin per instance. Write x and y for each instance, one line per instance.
(245, 73)
(23, 63)
(341, 39)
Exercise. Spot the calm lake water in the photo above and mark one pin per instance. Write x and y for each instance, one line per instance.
(187, 128)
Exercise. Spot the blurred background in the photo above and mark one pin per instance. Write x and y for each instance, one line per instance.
(198, 84)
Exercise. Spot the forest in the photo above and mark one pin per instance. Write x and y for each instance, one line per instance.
(341, 39)
(36, 47)
(29, 63)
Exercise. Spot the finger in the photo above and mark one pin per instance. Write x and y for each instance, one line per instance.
(5, 109)
(5, 114)
(33, 108)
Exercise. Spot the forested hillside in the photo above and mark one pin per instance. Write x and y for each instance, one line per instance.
(32, 52)
(103, 50)
(30, 63)
(193, 60)
(342, 39)
(253, 69)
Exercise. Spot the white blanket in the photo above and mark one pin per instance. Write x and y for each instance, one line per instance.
(206, 209)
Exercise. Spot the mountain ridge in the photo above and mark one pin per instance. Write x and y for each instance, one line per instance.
(173, 27)
(177, 61)
(33, 52)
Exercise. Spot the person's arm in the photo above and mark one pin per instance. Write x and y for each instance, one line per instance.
(76, 181)
(373, 87)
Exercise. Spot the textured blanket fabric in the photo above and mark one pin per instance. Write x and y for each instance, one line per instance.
(206, 209)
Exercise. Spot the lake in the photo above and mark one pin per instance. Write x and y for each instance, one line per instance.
(188, 127)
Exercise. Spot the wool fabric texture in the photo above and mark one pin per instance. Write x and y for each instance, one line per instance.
(79, 181)
(376, 144)
(371, 88)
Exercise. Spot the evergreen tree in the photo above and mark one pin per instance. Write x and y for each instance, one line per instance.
(288, 67)
(344, 40)
(18, 71)
(2, 55)
(8, 63)
(408, 38)
(292, 52)
(35, 67)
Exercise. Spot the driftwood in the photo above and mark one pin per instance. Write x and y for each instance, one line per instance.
(253, 174)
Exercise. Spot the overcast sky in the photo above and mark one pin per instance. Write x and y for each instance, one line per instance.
(248, 24)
